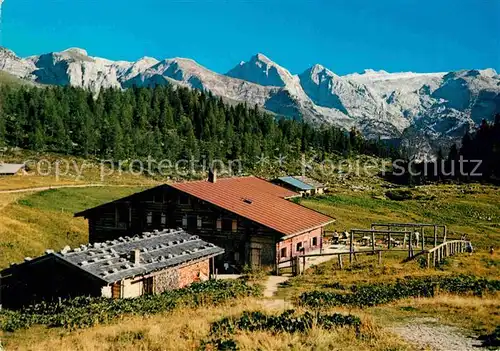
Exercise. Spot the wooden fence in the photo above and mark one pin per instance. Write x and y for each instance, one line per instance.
(434, 256)
(437, 254)
(413, 239)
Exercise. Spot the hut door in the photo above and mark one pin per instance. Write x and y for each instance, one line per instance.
(116, 290)
(256, 261)
(148, 285)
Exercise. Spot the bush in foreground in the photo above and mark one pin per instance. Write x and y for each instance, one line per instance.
(366, 295)
(287, 322)
(89, 311)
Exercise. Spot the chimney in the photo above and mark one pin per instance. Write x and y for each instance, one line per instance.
(135, 256)
(212, 175)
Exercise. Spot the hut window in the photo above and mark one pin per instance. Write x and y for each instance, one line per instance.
(149, 218)
(234, 226)
(299, 246)
(184, 221)
(122, 216)
(283, 252)
(227, 224)
(184, 199)
(218, 224)
(314, 241)
(163, 219)
(198, 221)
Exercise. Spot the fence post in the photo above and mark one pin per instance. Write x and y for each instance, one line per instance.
(435, 236)
(423, 239)
(341, 264)
(351, 247)
(373, 242)
(410, 245)
(428, 260)
(379, 257)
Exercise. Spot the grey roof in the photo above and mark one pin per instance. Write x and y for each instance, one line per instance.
(111, 260)
(10, 168)
(312, 182)
(296, 183)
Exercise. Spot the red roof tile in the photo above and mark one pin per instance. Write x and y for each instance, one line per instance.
(257, 200)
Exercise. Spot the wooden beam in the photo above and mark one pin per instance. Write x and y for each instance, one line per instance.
(423, 239)
(351, 247)
(379, 231)
(373, 242)
(406, 225)
(435, 236)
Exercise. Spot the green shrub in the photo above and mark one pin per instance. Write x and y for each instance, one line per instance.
(376, 294)
(88, 311)
(399, 194)
(287, 322)
(493, 339)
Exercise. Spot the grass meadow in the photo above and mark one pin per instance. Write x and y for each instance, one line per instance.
(34, 221)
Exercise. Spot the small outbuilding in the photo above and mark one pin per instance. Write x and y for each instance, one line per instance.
(10, 169)
(303, 185)
(121, 268)
(318, 187)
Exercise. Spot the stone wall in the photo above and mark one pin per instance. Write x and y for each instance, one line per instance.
(180, 277)
(193, 273)
(166, 280)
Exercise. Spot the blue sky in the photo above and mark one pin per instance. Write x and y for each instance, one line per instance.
(345, 36)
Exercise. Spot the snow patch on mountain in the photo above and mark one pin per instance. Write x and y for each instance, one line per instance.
(426, 110)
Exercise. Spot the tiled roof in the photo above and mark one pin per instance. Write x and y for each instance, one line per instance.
(257, 200)
(261, 184)
(10, 168)
(296, 183)
(111, 260)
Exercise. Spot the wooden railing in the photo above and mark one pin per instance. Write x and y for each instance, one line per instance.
(434, 256)
(437, 254)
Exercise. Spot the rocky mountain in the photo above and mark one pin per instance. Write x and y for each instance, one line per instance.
(423, 110)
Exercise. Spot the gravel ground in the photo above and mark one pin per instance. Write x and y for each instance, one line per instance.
(427, 333)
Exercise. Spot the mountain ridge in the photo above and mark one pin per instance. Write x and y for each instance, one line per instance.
(432, 106)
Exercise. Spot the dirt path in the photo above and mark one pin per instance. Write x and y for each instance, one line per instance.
(43, 188)
(272, 284)
(270, 288)
(428, 333)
